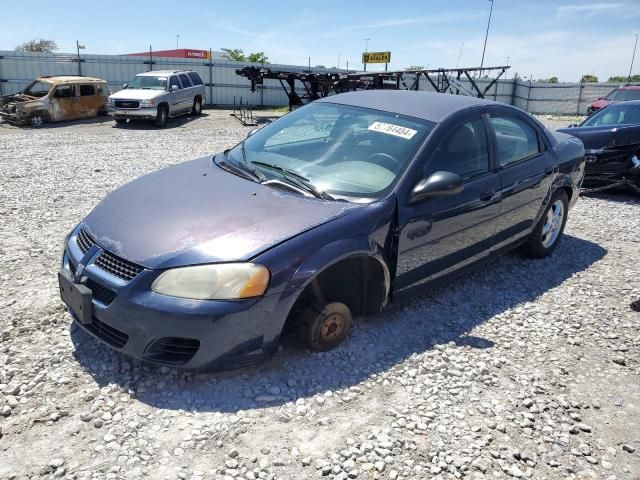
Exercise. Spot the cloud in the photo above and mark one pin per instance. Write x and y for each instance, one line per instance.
(436, 19)
(589, 9)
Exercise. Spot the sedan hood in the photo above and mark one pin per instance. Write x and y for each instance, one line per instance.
(195, 212)
(136, 94)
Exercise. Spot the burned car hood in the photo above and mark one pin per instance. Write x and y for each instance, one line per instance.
(597, 138)
(195, 212)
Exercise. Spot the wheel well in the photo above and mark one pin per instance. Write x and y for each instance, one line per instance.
(568, 191)
(197, 97)
(163, 105)
(360, 282)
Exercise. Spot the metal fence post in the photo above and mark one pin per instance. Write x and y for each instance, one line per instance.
(2, 80)
(514, 88)
(579, 96)
(528, 96)
(210, 77)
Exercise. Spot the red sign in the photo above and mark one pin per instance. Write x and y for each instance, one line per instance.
(178, 53)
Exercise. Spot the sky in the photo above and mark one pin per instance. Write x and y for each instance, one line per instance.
(539, 38)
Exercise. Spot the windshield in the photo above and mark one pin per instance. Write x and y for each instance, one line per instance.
(342, 150)
(620, 94)
(617, 114)
(146, 82)
(37, 89)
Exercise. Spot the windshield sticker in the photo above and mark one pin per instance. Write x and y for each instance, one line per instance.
(391, 129)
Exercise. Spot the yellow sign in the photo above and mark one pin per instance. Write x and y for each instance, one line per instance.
(376, 57)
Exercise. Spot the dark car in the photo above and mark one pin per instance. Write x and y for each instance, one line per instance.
(620, 94)
(329, 212)
(611, 139)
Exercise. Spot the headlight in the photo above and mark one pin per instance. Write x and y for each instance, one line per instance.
(110, 101)
(147, 103)
(223, 281)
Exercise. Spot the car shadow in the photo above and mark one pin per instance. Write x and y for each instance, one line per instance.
(99, 120)
(440, 316)
(150, 125)
(620, 195)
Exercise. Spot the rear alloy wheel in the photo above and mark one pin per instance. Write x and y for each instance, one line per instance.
(325, 329)
(546, 236)
(196, 110)
(163, 115)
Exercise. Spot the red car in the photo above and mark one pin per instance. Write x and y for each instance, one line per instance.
(620, 94)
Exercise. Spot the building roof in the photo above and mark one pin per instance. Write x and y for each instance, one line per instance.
(68, 79)
(431, 106)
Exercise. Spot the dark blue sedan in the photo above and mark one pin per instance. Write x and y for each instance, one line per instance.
(330, 212)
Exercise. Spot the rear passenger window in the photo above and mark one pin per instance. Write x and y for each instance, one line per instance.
(87, 90)
(516, 139)
(195, 78)
(174, 81)
(184, 80)
(65, 91)
(463, 151)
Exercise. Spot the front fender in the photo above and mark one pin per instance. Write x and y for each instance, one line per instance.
(330, 255)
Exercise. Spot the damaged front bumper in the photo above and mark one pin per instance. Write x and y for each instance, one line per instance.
(607, 169)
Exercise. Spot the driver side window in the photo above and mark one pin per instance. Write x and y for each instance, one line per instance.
(174, 81)
(463, 151)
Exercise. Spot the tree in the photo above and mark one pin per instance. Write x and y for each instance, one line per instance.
(587, 78)
(235, 54)
(320, 66)
(415, 67)
(623, 79)
(257, 57)
(42, 45)
(548, 80)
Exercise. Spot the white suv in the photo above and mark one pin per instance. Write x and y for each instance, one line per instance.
(158, 95)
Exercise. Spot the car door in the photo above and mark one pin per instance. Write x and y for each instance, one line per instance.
(175, 98)
(64, 103)
(527, 169)
(442, 234)
(90, 100)
(187, 92)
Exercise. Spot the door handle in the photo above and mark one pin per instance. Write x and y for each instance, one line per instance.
(488, 195)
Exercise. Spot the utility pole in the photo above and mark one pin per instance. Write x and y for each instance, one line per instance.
(459, 55)
(486, 35)
(177, 41)
(506, 75)
(632, 58)
(78, 47)
(339, 55)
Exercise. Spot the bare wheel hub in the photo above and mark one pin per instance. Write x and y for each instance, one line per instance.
(332, 326)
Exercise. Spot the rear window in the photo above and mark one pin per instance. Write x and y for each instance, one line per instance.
(87, 90)
(184, 80)
(195, 78)
(622, 94)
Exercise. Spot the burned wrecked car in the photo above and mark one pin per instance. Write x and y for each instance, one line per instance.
(331, 211)
(56, 98)
(611, 138)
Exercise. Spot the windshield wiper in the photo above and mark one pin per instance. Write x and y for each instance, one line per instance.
(295, 178)
(245, 168)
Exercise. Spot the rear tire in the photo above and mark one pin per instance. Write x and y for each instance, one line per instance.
(196, 110)
(324, 330)
(40, 118)
(163, 116)
(548, 232)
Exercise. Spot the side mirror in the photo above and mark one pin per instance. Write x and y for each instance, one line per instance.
(125, 86)
(438, 184)
(600, 98)
(252, 131)
(174, 88)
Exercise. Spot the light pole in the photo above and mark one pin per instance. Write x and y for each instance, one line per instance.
(506, 75)
(460, 55)
(632, 58)
(339, 55)
(486, 35)
(366, 49)
(78, 48)
(177, 41)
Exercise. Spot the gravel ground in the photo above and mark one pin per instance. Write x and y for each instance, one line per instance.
(526, 369)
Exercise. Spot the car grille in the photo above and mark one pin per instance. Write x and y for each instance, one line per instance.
(117, 266)
(84, 241)
(107, 333)
(102, 294)
(173, 350)
(127, 104)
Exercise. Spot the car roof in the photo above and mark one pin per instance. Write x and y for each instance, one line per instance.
(431, 106)
(159, 73)
(624, 103)
(629, 87)
(68, 79)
